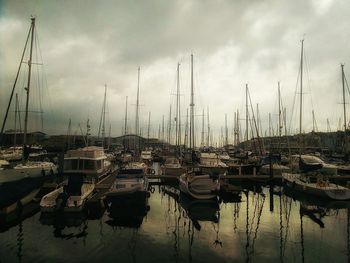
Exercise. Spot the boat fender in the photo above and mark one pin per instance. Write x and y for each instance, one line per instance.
(152, 189)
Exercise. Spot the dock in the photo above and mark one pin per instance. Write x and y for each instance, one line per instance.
(250, 178)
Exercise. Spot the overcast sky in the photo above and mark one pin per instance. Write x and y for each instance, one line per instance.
(87, 44)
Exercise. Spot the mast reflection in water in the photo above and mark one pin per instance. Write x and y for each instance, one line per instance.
(264, 225)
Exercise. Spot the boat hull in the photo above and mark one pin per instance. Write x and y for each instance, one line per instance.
(334, 192)
(201, 187)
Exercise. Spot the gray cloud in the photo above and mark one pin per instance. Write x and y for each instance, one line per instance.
(86, 44)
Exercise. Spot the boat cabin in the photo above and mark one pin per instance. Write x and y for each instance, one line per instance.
(87, 160)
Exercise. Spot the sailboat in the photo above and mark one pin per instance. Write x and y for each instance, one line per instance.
(25, 169)
(195, 183)
(300, 181)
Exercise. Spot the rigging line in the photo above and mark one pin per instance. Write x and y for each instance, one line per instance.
(13, 89)
(294, 99)
(38, 82)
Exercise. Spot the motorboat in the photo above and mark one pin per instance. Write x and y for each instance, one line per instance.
(320, 188)
(146, 156)
(84, 167)
(70, 197)
(90, 161)
(130, 186)
(172, 167)
(211, 163)
(200, 185)
(309, 163)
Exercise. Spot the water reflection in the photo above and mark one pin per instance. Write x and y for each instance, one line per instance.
(123, 215)
(66, 225)
(266, 224)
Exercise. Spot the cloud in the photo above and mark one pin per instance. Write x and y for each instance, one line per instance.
(86, 44)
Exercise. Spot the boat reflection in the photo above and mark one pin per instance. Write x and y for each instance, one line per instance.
(75, 223)
(124, 215)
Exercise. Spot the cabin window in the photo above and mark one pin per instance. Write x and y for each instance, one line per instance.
(98, 165)
(67, 165)
(89, 165)
(81, 164)
(74, 164)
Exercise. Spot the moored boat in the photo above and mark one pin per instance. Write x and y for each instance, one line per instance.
(84, 168)
(321, 188)
(199, 185)
(131, 185)
(172, 167)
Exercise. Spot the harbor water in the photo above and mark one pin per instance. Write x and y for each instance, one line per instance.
(266, 225)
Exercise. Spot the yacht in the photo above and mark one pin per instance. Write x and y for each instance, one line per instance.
(130, 186)
(172, 167)
(211, 163)
(25, 169)
(84, 168)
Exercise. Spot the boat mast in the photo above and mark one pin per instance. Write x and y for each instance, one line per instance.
(149, 125)
(16, 112)
(343, 83)
(163, 129)
(202, 134)
(301, 94)
(104, 118)
(137, 103)
(279, 112)
(186, 130)
(246, 112)
(226, 130)
(31, 30)
(126, 116)
(169, 128)
(28, 89)
(208, 137)
(238, 128)
(192, 139)
(177, 114)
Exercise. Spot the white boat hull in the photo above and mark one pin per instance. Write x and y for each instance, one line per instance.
(331, 191)
(199, 186)
(26, 171)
